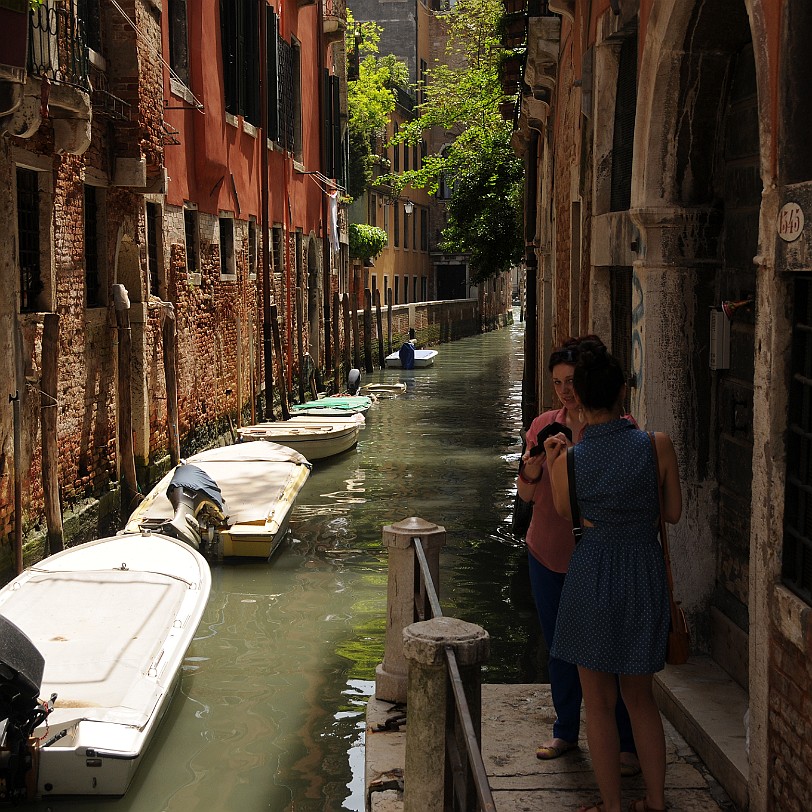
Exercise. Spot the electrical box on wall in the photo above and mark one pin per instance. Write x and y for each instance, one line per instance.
(719, 340)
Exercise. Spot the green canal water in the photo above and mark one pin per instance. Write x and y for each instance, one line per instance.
(269, 714)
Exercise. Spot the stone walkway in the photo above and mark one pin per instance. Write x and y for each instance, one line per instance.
(515, 719)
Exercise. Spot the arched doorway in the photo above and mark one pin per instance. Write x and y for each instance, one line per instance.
(697, 199)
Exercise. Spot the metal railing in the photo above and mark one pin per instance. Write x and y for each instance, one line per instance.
(56, 46)
(465, 766)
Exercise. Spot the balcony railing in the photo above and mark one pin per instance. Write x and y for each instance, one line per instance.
(56, 46)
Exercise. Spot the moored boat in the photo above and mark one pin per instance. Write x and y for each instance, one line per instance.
(100, 630)
(312, 437)
(346, 404)
(422, 359)
(238, 498)
(383, 390)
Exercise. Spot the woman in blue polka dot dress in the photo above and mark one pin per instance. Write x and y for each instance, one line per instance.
(614, 617)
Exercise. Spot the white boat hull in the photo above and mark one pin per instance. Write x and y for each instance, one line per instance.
(113, 619)
(313, 438)
(422, 359)
(383, 390)
(259, 482)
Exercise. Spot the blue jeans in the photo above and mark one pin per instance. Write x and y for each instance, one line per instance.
(565, 685)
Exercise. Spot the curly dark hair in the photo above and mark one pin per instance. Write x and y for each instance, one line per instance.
(598, 377)
(567, 353)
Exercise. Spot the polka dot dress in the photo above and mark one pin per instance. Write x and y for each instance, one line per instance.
(614, 608)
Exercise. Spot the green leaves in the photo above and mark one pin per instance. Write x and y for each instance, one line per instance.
(370, 98)
(463, 95)
(366, 241)
(484, 213)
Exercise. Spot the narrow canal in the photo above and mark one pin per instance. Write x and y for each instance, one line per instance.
(270, 711)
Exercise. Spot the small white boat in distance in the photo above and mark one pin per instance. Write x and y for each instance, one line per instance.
(422, 359)
(103, 626)
(384, 390)
(313, 437)
(236, 498)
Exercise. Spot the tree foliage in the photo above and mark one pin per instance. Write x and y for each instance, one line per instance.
(366, 241)
(462, 95)
(370, 98)
(484, 213)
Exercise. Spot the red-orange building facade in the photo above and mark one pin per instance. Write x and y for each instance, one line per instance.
(133, 156)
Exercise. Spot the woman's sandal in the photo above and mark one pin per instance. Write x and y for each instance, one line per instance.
(635, 806)
(550, 751)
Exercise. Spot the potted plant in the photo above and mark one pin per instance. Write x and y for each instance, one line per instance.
(510, 68)
(513, 29)
(366, 241)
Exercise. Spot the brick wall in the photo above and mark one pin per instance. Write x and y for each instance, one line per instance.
(790, 722)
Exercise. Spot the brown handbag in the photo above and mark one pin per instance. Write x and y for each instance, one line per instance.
(679, 641)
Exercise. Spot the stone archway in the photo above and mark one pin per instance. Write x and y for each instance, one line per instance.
(703, 157)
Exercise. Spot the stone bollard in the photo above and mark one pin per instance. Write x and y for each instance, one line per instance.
(391, 674)
(424, 647)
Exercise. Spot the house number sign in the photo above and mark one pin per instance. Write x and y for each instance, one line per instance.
(790, 222)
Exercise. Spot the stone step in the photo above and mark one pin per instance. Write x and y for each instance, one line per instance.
(707, 707)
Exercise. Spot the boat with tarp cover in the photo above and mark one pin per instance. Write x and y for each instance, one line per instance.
(92, 640)
(237, 499)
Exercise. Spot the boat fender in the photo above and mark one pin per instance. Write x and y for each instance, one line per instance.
(406, 355)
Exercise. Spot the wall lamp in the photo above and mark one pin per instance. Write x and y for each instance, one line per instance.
(408, 206)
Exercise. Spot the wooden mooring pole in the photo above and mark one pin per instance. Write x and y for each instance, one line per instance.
(367, 329)
(48, 423)
(126, 456)
(389, 318)
(171, 377)
(356, 337)
(381, 348)
(336, 333)
(345, 312)
(300, 342)
(283, 389)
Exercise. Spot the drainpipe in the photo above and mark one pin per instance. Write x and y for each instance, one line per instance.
(267, 332)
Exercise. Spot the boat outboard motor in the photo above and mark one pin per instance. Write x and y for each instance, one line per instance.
(21, 668)
(406, 355)
(354, 381)
(192, 492)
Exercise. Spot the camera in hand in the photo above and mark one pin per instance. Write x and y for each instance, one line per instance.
(549, 431)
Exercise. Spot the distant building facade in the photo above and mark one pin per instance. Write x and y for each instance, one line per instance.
(416, 34)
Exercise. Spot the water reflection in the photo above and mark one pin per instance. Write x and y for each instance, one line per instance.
(270, 709)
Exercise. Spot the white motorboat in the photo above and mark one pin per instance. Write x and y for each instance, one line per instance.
(313, 437)
(383, 390)
(99, 632)
(236, 498)
(422, 359)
